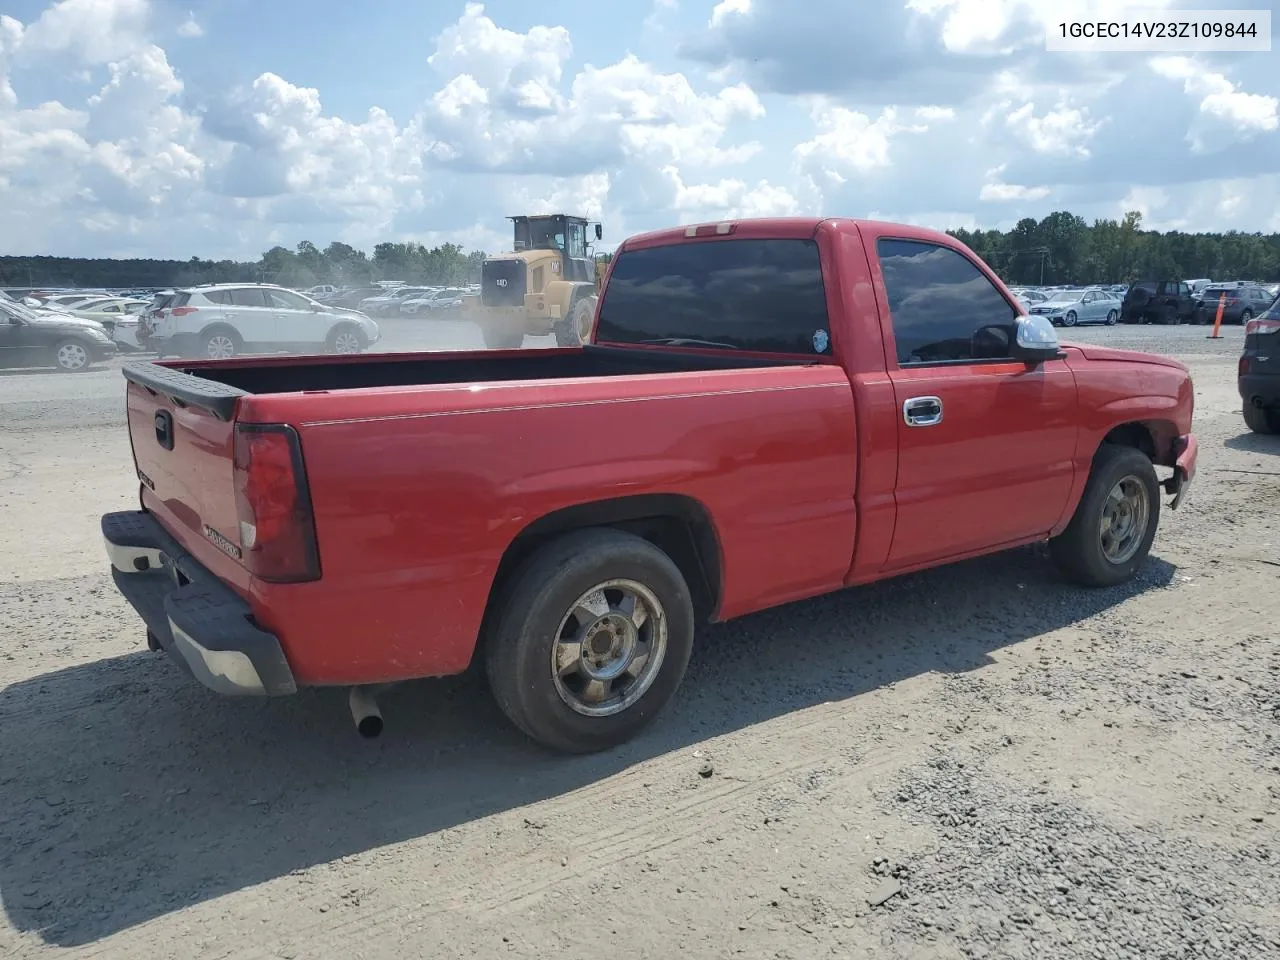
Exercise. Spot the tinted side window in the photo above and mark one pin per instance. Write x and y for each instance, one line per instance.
(287, 300)
(764, 295)
(248, 297)
(943, 307)
(218, 296)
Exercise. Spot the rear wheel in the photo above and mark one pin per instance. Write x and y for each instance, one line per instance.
(71, 356)
(1245, 316)
(1110, 534)
(590, 640)
(1260, 419)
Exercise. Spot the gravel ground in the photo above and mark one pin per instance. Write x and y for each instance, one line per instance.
(976, 761)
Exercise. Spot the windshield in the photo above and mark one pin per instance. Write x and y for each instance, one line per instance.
(15, 309)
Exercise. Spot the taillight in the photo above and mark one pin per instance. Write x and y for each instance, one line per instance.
(1242, 368)
(273, 504)
(1261, 326)
(183, 311)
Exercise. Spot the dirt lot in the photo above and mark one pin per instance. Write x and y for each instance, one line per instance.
(1022, 768)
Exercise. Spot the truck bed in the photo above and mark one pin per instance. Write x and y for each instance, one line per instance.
(220, 383)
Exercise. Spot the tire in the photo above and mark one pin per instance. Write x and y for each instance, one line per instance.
(537, 606)
(1079, 551)
(502, 339)
(71, 356)
(574, 329)
(345, 339)
(1260, 419)
(1112, 318)
(1245, 316)
(220, 343)
(1069, 320)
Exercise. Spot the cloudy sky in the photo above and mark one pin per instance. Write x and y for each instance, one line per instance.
(221, 127)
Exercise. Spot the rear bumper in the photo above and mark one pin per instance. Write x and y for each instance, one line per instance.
(1186, 450)
(1261, 389)
(195, 618)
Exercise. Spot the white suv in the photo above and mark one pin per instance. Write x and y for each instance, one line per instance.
(225, 319)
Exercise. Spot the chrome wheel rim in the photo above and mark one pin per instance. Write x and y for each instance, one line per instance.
(1069, 320)
(346, 342)
(609, 648)
(1124, 519)
(1112, 317)
(72, 356)
(220, 347)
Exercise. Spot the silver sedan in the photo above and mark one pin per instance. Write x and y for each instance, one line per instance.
(1068, 307)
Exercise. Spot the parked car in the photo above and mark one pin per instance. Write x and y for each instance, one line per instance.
(223, 320)
(435, 302)
(1159, 301)
(120, 317)
(779, 443)
(62, 300)
(1258, 378)
(40, 338)
(1243, 303)
(1069, 307)
(388, 304)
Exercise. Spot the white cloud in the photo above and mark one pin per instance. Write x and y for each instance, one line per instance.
(93, 31)
(189, 28)
(1227, 114)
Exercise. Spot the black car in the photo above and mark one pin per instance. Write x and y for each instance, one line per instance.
(1259, 372)
(350, 299)
(1244, 302)
(1159, 301)
(33, 338)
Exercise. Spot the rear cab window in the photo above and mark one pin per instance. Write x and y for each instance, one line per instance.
(762, 295)
(942, 307)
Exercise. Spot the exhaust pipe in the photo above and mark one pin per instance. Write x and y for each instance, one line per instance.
(365, 712)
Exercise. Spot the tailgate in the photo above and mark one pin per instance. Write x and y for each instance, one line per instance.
(181, 429)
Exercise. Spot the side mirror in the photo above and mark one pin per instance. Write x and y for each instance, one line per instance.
(1036, 341)
(599, 231)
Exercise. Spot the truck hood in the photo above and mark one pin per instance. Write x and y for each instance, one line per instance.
(1093, 352)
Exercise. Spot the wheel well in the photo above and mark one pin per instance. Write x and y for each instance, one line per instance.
(1154, 438)
(221, 326)
(679, 526)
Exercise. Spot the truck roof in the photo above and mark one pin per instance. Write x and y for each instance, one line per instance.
(780, 228)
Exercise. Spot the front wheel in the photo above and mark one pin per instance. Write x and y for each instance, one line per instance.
(71, 356)
(1112, 318)
(590, 640)
(1070, 319)
(221, 344)
(1245, 317)
(344, 339)
(1110, 534)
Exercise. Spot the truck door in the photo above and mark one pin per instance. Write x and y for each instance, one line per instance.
(986, 444)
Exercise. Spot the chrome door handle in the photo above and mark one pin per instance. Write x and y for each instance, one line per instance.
(922, 411)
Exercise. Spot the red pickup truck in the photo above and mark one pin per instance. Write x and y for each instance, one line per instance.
(766, 410)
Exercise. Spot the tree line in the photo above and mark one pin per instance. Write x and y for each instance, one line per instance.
(1061, 248)
(1064, 248)
(304, 266)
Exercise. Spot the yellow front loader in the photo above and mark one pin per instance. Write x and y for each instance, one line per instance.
(549, 283)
